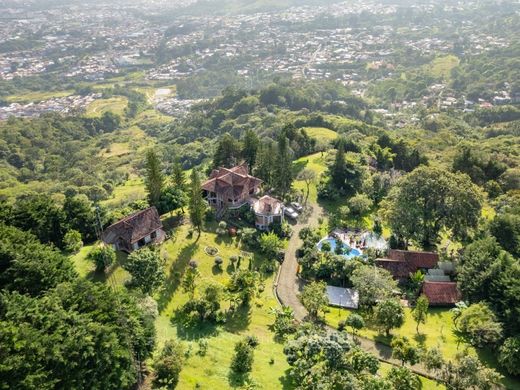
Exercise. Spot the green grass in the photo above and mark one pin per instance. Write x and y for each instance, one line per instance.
(133, 189)
(438, 331)
(37, 96)
(442, 66)
(212, 370)
(116, 105)
(316, 163)
(321, 133)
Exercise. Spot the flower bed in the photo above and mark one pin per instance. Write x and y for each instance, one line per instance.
(211, 250)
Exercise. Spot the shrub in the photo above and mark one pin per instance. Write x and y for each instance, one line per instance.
(243, 359)
(168, 365)
(72, 241)
(509, 355)
(103, 257)
(479, 324)
(218, 262)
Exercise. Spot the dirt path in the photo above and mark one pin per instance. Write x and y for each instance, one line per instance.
(288, 286)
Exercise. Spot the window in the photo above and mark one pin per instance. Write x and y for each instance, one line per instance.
(153, 235)
(141, 242)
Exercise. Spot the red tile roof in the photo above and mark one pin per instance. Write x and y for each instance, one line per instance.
(441, 293)
(134, 227)
(401, 263)
(231, 182)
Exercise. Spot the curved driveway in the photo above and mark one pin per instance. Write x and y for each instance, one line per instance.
(288, 286)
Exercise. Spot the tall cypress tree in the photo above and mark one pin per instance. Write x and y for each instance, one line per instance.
(283, 177)
(250, 148)
(228, 152)
(338, 170)
(265, 163)
(197, 205)
(154, 179)
(178, 176)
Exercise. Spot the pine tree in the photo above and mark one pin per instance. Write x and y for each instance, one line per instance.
(283, 174)
(197, 205)
(227, 153)
(154, 179)
(250, 148)
(265, 164)
(178, 176)
(338, 170)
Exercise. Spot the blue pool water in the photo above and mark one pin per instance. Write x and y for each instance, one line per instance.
(347, 254)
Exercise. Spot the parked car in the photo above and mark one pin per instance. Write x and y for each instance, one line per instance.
(298, 207)
(289, 212)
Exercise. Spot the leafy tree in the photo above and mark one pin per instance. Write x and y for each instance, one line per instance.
(250, 147)
(147, 269)
(431, 199)
(359, 205)
(466, 372)
(168, 365)
(389, 314)
(283, 173)
(314, 298)
(479, 269)
(432, 359)
(197, 204)
(68, 338)
(102, 256)
(242, 361)
(228, 152)
(420, 311)
(284, 323)
(506, 229)
(403, 379)
(29, 267)
(154, 178)
(509, 355)
(80, 215)
(189, 282)
(356, 322)
(72, 241)
(373, 284)
(308, 176)
(244, 283)
(270, 244)
(172, 198)
(479, 324)
(403, 350)
(40, 215)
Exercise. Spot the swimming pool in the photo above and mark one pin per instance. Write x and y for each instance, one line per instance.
(348, 252)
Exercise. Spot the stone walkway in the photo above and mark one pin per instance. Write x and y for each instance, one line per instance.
(288, 286)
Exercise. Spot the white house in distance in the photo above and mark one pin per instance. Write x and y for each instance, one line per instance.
(268, 210)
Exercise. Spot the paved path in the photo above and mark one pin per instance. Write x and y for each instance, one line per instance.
(288, 286)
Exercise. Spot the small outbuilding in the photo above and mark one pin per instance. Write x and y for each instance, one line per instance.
(135, 231)
(441, 293)
(343, 297)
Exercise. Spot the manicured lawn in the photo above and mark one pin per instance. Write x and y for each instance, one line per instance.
(316, 163)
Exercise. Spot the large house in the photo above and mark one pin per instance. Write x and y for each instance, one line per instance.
(135, 231)
(402, 263)
(232, 188)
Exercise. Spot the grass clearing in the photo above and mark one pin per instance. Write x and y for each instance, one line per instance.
(442, 66)
(116, 105)
(37, 96)
(132, 189)
(321, 133)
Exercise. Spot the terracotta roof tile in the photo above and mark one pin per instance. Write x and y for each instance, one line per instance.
(441, 293)
(134, 227)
